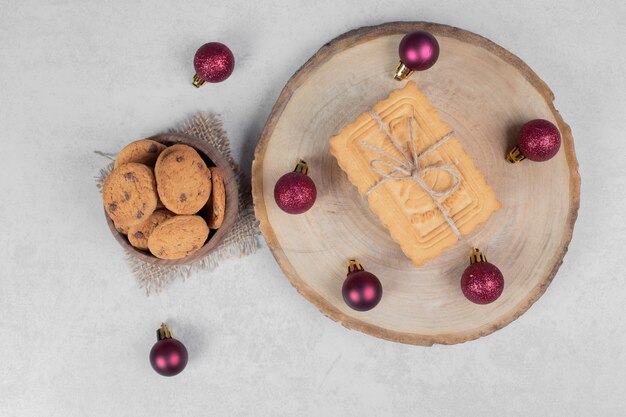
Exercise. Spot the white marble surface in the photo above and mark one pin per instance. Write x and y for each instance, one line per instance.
(76, 331)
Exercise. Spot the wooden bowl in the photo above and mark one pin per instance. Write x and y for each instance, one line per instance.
(485, 94)
(213, 158)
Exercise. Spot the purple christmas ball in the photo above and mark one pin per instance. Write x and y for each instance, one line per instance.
(419, 50)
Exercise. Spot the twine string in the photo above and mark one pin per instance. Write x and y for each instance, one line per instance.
(409, 168)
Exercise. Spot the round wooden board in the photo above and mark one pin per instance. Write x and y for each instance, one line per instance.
(485, 94)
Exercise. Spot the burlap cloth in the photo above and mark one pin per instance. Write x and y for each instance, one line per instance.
(240, 241)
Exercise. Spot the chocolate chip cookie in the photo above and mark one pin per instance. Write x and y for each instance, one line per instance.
(217, 201)
(178, 237)
(138, 235)
(184, 180)
(143, 151)
(122, 229)
(129, 194)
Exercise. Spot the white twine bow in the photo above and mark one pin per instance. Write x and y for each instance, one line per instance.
(408, 168)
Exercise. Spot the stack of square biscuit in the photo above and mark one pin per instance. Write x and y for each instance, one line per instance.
(414, 216)
(164, 199)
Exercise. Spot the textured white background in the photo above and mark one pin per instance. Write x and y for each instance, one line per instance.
(76, 331)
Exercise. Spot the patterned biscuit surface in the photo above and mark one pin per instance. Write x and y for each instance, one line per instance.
(143, 151)
(413, 214)
(217, 202)
(178, 237)
(184, 180)
(138, 235)
(129, 194)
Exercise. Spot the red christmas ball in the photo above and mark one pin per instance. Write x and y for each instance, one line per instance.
(538, 140)
(214, 62)
(168, 356)
(361, 290)
(482, 282)
(295, 192)
(419, 50)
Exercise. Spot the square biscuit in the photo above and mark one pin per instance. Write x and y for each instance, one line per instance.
(408, 211)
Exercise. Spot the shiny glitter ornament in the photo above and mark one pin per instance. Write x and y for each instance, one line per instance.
(361, 290)
(538, 140)
(295, 192)
(482, 282)
(168, 356)
(213, 62)
(418, 51)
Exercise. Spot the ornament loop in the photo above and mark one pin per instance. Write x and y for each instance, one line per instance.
(354, 266)
(164, 332)
(302, 167)
(402, 72)
(197, 81)
(477, 256)
(515, 155)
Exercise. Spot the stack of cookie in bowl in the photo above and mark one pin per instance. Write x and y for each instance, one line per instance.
(164, 199)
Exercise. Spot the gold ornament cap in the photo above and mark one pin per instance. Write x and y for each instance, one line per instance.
(402, 72)
(302, 167)
(354, 266)
(197, 81)
(477, 256)
(515, 155)
(164, 332)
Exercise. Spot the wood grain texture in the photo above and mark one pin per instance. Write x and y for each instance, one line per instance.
(485, 94)
(213, 158)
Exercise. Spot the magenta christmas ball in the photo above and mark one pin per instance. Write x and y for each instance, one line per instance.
(419, 50)
(539, 140)
(168, 356)
(295, 192)
(482, 282)
(213, 62)
(362, 290)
